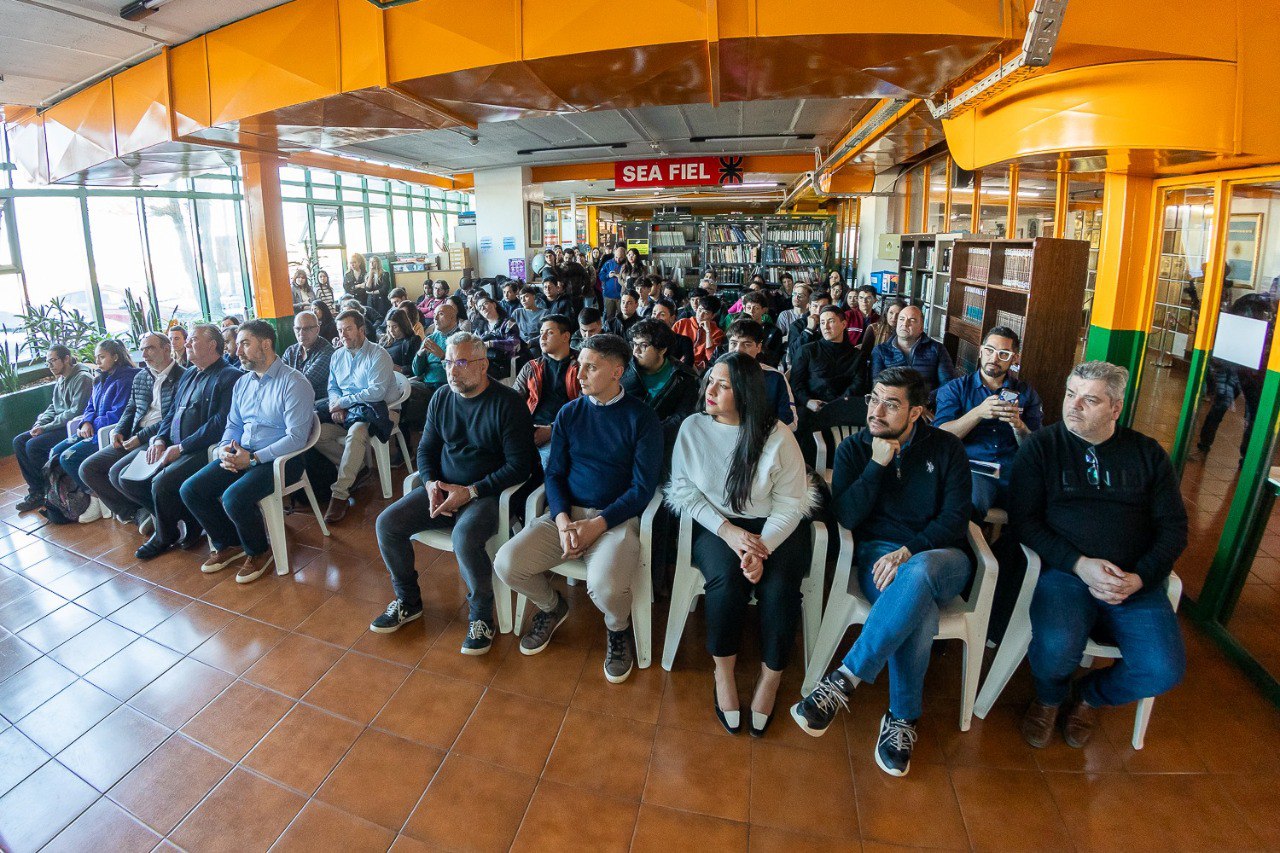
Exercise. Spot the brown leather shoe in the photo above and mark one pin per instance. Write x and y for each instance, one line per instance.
(336, 512)
(253, 567)
(220, 558)
(1037, 723)
(1080, 722)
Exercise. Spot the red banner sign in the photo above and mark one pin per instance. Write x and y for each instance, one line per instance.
(677, 172)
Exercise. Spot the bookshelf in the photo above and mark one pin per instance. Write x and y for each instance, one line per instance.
(675, 248)
(924, 277)
(738, 247)
(1035, 287)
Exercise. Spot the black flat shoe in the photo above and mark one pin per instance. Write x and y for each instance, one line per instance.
(152, 548)
(758, 728)
(731, 720)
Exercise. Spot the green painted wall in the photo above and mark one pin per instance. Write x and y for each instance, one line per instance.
(1123, 347)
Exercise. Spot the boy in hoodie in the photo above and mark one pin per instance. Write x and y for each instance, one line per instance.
(71, 387)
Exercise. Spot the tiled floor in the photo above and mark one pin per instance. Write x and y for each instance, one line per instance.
(148, 706)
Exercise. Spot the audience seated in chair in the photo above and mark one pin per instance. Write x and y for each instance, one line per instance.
(828, 379)
(603, 469)
(911, 347)
(747, 337)
(312, 352)
(549, 381)
(72, 386)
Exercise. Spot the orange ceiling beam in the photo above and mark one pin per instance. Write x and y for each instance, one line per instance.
(377, 170)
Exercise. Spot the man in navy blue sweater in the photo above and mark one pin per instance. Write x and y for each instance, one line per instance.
(602, 470)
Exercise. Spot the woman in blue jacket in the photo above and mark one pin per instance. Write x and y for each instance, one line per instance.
(106, 401)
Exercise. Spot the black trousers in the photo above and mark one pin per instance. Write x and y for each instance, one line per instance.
(728, 592)
(843, 411)
(160, 497)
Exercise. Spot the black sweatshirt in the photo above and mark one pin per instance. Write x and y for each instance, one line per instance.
(825, 370)
(921, 500)
(485, 441)
(1134, 517)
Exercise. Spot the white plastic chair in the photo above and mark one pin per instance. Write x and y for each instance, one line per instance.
(442, 540)
(964, 619)
(1017, 639)
(824, 462)
(576, 570)
(689, 583)
(998, 519)
(104, 436)
(381, 450)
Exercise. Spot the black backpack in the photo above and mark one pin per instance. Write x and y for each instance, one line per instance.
(64, 501)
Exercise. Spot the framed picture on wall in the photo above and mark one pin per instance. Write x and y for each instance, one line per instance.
(1243, 243)
(533, 211)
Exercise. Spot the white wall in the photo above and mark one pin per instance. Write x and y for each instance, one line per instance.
(500, 197)
(873, 220)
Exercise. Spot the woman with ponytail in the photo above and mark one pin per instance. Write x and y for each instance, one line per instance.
(738, 472)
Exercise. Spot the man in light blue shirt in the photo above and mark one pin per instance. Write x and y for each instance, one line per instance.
(272, 411)
(361, 384)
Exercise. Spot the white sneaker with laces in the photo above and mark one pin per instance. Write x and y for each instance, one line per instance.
(93, 513)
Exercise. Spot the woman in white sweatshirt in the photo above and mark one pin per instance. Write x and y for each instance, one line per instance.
(739, 473)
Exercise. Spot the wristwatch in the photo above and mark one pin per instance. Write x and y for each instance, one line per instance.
(474, 492)
(253, 459)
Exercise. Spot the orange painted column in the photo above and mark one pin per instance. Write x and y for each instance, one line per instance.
(268, 261)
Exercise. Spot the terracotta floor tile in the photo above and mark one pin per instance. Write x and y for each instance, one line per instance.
(19, 758)
(32, 686)
(185, 630)
(41, 806)
(58, 722)
(105, 753)
(340, 620)
(1258, 799)
(189, 580)
(511, 731)
(80, 580)
(552, 675)
(302, 749)
(357, 686)
(687, 703)
(638, 698)
(768, 839)
(408, 844)
(471, 805)
(444, 657)
(59, 626)
(239, 597)
(149, 610)
(554, 820)
(989, 796)
(104, 826)
(133, 668)
(993, 742)
(169, 782)
(430, 708)
(30, 608)
(287, 605)
(239, 645)
(92, 646)
(361, 784)
(1097, 756)
(13, 587)
(15, 654)
(700, 773)
(245, 812)
(894, 809)
(320, 826)
(662, 830)
(33, 552)
(609, 755)
(234, 722)
(406, 646)
(295, 665)
(53, 567)
(114, 594)
(180, 693)
(785, 782)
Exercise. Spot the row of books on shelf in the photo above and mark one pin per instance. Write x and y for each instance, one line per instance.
(1017, 322)
(1017, 268)
(793, 254)
(744, 254)
(667, 261)
(670, 238)
(733, 275)
(799, 276)
(798, 233)
(979, 263)
(733, 233)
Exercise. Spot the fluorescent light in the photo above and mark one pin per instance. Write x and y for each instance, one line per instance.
(731, 137)
(525, 151)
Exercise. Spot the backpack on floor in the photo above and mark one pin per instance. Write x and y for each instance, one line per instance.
(64, 502)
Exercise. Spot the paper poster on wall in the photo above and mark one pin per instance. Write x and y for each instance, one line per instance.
(1242, 248)
(508, 244)
(1240, 340)
(486, 243)
(515, 268)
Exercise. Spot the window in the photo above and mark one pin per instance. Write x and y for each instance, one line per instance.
(404, 239)
(297, 233)
(51, 240)
(379, 229)
(119, 260)
(6, 250)
(993, 195)
(354, 223)
(1036, 194)
(421, 234)
(935, 215)
(11, 305)
(224, 276)
(173, 258)
(961, 199)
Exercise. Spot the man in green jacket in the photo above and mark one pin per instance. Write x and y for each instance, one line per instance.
(72, 383)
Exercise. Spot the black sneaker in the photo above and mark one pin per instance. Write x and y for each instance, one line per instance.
(479, 637)
(815, 712)
(29, 503)
(397, 614)
(618, 657)
(544, 625)
(893, 747)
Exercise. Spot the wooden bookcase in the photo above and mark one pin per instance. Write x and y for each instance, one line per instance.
(1034, 286)
(924, 277)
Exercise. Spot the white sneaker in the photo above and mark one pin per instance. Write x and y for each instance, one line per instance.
(93, 513)
(147, 524)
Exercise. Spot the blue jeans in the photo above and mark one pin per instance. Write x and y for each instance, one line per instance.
(71, 453)
(1064, 615)
(32, 452)
(904, 619)
(987, 492)
(226, 503)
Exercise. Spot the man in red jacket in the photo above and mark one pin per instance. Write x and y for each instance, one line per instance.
(549, 381)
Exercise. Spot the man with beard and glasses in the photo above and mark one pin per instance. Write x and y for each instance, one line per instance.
(902, 487)
(992, 412)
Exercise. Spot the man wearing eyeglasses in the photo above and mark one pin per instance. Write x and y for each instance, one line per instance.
(311, 354)
(1100, 504)
(902, 487)
(477, 441)
(661, 381)
(992, 412)
(72, 384)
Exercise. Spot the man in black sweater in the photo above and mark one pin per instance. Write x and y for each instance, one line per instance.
(828, 381)
(902, 487)
(1100, 504)
(477, 441)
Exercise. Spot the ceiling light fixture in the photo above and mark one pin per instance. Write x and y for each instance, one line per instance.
(526, 151)
(738, 137)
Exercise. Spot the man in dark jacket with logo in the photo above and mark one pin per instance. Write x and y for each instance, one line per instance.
(549, 381)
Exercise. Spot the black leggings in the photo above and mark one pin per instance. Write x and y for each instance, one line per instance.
(728, 592)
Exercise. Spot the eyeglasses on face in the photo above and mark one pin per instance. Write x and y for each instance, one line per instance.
(462, 363)
(640, 346)
(1001, 354)
(874, 402)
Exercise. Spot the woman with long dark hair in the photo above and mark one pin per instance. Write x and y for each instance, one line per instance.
(324, 290)
(739, 473)
(400, 341)
(324, 313)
